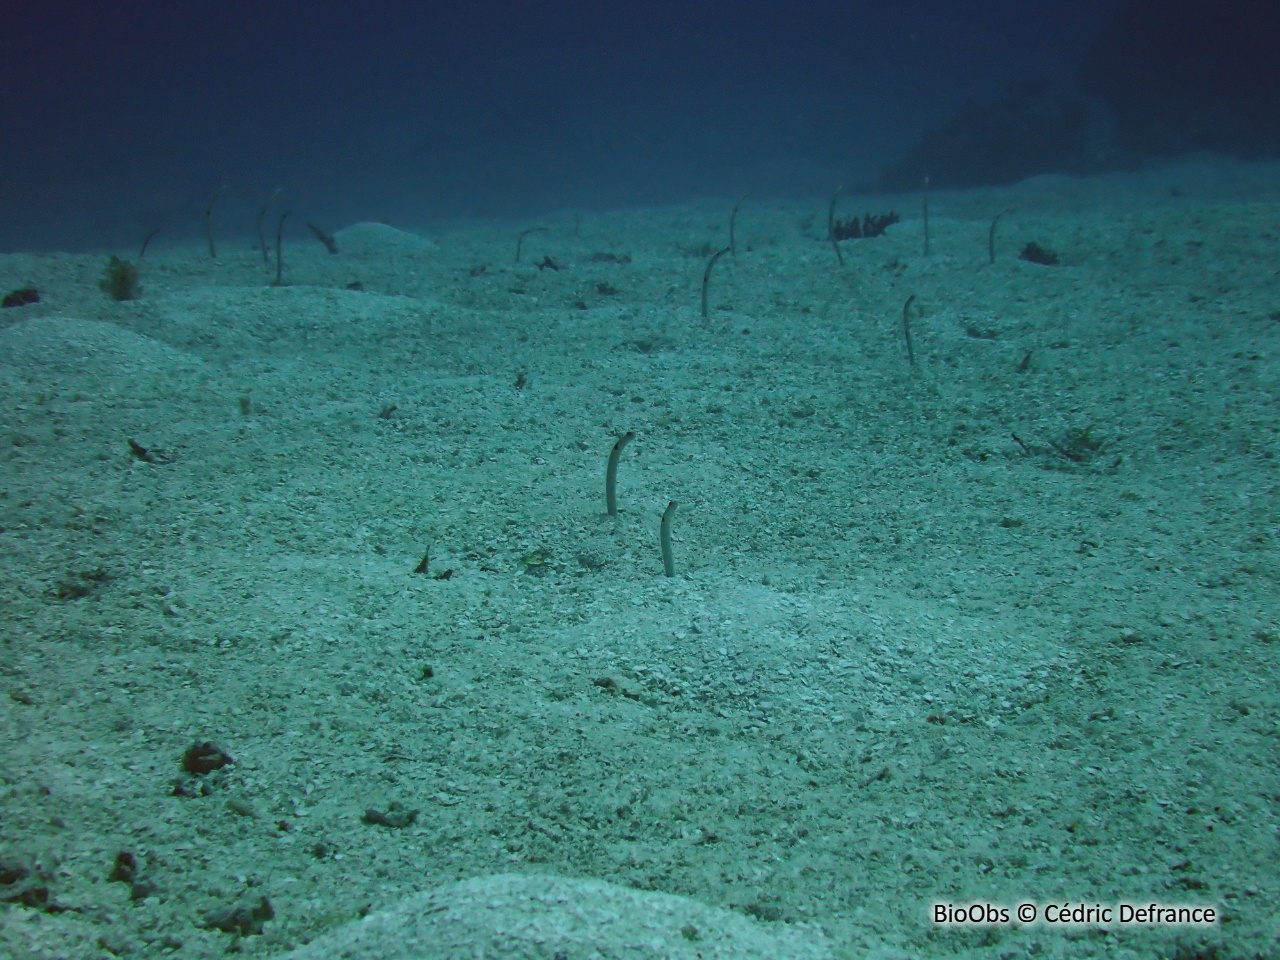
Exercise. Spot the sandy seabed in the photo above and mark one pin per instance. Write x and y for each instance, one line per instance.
(1001, 627)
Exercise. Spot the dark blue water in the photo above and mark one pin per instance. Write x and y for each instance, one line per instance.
(120, 118)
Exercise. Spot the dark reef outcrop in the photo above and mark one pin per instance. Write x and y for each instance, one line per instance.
(1033, 129)
(1163, 77)
(1182, 75)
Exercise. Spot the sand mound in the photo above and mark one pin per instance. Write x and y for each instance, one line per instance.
(66, 345)
(363, 239)
(518, 917)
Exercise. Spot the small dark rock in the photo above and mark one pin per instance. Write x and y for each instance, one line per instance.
(21, 297)
(321, 850)
(22, 883)
(395, 816)
(205, 757)
(244, 918)
(125, 868)
(768, 912)
(1034, 253)
(76, 586)
(189, 787)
